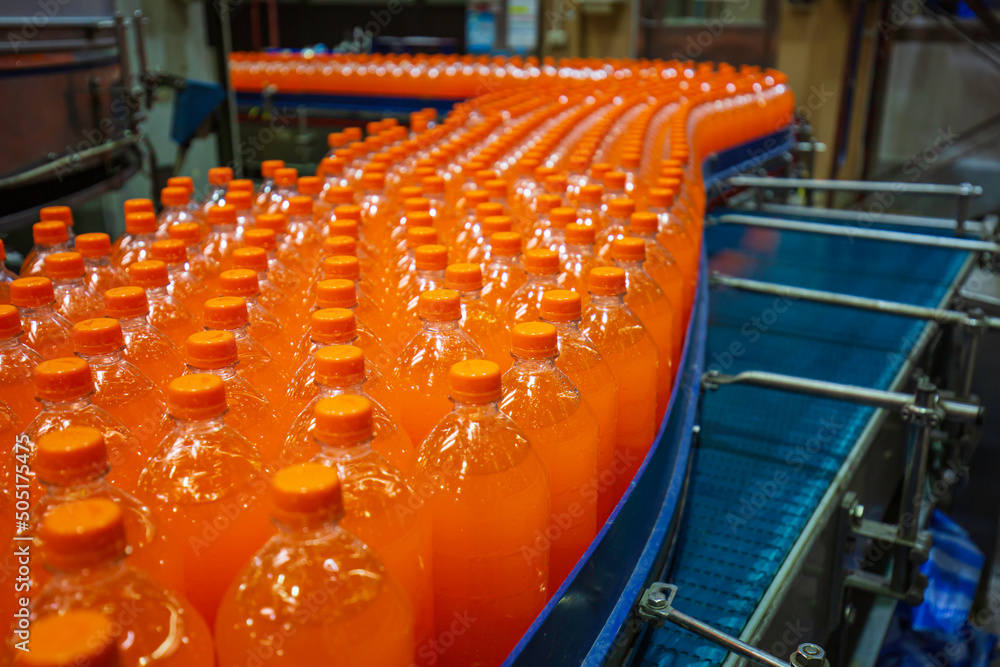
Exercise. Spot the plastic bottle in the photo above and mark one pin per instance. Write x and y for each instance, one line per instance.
(505, 273)
(619, 211)
(583, 365)
(368, 310)
(277, 272)
(469, 235)
(200, 265)
(481, 252)
(430, 262)
(17, 361)
(285, 251)
(285, 180)
(242, 201)
(552, 234)
(61, 214)
(374, 490)
(184, 285)
(74, 299)
(78, 637)
(6, 277)
(218, 182)
(538, 223)
(219, 519)
(489, 502)
(45, 330)
(148, 348)
(365, 619)
(271, 296)
(677, 240)
(420, 376)
(578, 257)
(630, 351)
(49, 237)
(563, 429)
(542, 267)
(192, 207)
(177, 208)
(249, 412)
(100, 274)
(166, 312)
(479, 320)
(661, 265)
(342, 293)
(221, 240)
(301, 233)
(85, 544)
(265, 326)
(72, 464)
(63, 387)
(589, 211)
(137, 243)
(130, 207)
(660, 315)
(266, 189)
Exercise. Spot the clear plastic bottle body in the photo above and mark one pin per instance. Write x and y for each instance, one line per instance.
(486, 328)
(169, 315)
(503, 276)
(34, 261)
(259, 368)
(47, 332)
(151, 350)
(220, 243)
(134, 248)
(129, 395)
(17, 361)
(187, 288)
(101, 275)
(76, 301)
(523, 305)
(577, 261)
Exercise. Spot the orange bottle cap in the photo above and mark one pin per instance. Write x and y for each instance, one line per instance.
(606, 281)
(475, 381)
(560, 305)
(541, 262)
(300, 205)
(430, 257)
(338, 195)
(276, 222)
(599, 169)
(226, 313)
(239, 282)
(170, 251)
(629, 249)
(348, 212)
(140, 223)
(310, 185)
(152, 273)
(10, 322)
(189, 232)
(222, 215)
(62, 214)
(496, 187)
(534, 340)
(83, 532)
(419, 236)
(239, 185)
(631, 160)
(220, 175)
(309, 489)
(544, 203)
(644, 222)
(496, 223)
(94, 244)
(373, 180)
(336, 293)
(101, 335)
(31, 292)
(432, 184)
(542, 172)
(419, 219)
(488, 209)
(254, 259)
(240, 200)
(174, 196)
(125, 302)
(416, 204)
(332, 326)
(556, 184)
(185, 183)
(464, 277)
(72, 454)
(660, 197)
(196, 396)
(340, 366)
(473, 198)
(209, 350)
(343, 420)
(439, 305)
(261, 238)
(562, 216)
(138, 206)
(342, 266)
(410, 191)
(51, 232)
(63, 379)
(285, 176)
(64, 265)
(505, 244)
(621, 208)
(591, 194)
(71, 638)
(340, 245)
(483, 175)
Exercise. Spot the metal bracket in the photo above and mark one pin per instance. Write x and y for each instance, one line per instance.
(656, 608)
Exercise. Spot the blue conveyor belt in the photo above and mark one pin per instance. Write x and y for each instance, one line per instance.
(766, 458)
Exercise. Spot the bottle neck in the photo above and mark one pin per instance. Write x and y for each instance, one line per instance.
(99, 574)
(158, 292)
(45, 310)
(340, 453)
(329, 391)
(76, 488)
(449, 326)
(477, 410)
(134, 322)
(194, 426)
(225, 373)
(69, 405)
(96, 262)
(547, 280)
(534, 365)
(607, 302)
(108, 359)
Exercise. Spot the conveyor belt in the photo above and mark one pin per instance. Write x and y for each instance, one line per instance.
(766, 458)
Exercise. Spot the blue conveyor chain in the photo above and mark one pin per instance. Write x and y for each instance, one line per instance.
(766, 458)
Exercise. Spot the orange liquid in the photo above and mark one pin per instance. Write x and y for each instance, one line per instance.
(46, 332)
(170, 316)
(656, 312)
(76, 302)
(151, 352)
(486, 328)
(500, 280)
(16, 365)
(131, 397)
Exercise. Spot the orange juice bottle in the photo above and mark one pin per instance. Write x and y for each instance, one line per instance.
(489, 502)
(219, 179)
(465, 212)
(250, 413)
(479, 320)
(277, 272)
(583, 365)
(615, 186)
(481, 251)
(45, 330)
(199, 264)
(420, 376)
(267, 188)
(342, 293)
(78, 637)
(552, 234)
(374, 491)
(49, 237)
(17, 361)
(340, 369)
(623, 341)
(72, 464)
(63, 387)
(120, 388)
(148, 348)
(662, 266)
(285, 181)
(430, 262)
(242, 201)
(564, 430)
(401, 275)
(177, 207)
(100, 274)
(61, 213)
(221, 240)
(655, 309)
(313, 587)
(672, 235)
(184, 286)
(84, 545)
(349, 268)
(264, 324)
(619, 211)
(219, 520)
(505, 273)
(229, 313)
(542, 268)
(538, 220)
(285, 251)
(6, 277)
(578, 257)
(192, 207)
(74, 299)
(166, 313)
(301, 233)
(137, 243)
(271, 297)
(469, 235)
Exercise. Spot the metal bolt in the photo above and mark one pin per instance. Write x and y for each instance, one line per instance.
(857, 512)
(809, 655)
(657, 600)
(850, 614)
